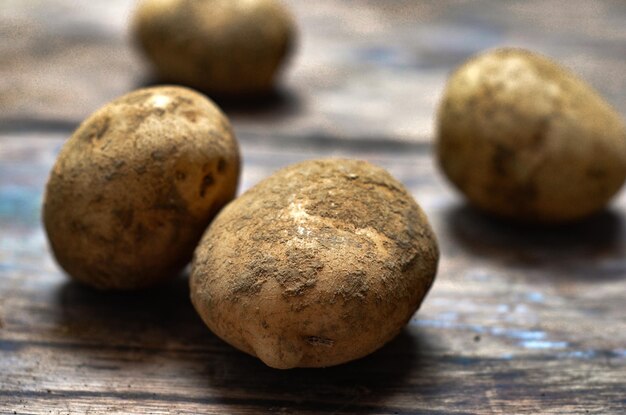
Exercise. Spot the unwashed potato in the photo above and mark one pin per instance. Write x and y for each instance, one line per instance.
(136, 185)
(226, 47)
(523, 138)
(321, 263)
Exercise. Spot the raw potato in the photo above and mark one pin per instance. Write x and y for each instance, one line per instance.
(136, 185)
(226, 47)
(523, 138)
(322, 263)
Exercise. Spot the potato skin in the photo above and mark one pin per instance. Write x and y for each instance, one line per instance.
(226, 47)
(321, 263)
(136, 185)
(523, 138)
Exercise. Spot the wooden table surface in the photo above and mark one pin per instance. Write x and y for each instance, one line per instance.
(521, 319)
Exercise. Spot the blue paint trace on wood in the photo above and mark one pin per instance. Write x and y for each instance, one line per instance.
(19, 204)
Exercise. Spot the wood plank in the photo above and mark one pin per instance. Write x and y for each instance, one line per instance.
(516, 322)
(362, 69)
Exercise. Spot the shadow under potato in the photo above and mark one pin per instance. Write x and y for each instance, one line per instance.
(141, 318)
(277, 102)
(159, 327)
(360, 386)
(593, 247)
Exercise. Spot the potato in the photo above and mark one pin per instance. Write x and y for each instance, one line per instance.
(226, 47)
(319, 264)
(136, 185)
(523, 138)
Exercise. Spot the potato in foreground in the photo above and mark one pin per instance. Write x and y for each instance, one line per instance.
(136, 185)
(226, 47)
(321, 263)
(524, 138)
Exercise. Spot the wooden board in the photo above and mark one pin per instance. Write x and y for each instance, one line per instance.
(520, 319)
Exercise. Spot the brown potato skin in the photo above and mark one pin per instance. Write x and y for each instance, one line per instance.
(523, 138)
(321, 263)
(225, 47)
(136, 185)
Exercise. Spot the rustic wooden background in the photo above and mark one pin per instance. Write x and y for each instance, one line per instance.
(520, 320)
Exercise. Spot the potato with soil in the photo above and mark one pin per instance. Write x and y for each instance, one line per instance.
(136, 185)
(226, 47)
(524, 138)
(321, 263)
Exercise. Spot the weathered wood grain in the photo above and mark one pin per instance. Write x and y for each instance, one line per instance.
(520, 320)
(363, 68)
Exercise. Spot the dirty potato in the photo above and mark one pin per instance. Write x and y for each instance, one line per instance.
(226, 47)
(321, 263)
(136, 185)
(524, 138)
